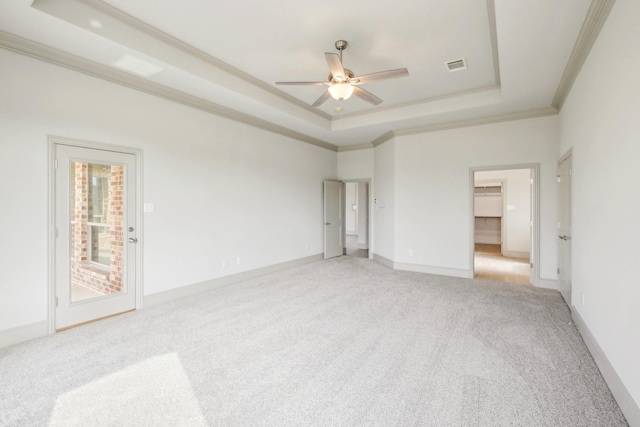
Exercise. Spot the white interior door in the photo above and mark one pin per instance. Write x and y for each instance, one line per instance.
(564, 229)
(532, 207)
(333, 246)
(95, 248)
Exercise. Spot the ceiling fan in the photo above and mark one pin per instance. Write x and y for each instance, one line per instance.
(342, 83)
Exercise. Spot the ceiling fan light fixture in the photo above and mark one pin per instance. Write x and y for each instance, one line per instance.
(341, 91)
(342, 83)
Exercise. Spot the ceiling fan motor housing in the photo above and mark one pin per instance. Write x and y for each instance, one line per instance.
(348, 75)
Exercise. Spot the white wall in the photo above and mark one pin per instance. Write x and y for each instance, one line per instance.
(220, 189)
(351, 215)
(384, 200)
(517, 209)
(600, 120)
(432, 199)
(355, 164)
(363, 213)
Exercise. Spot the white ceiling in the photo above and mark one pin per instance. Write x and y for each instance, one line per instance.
(231, 53)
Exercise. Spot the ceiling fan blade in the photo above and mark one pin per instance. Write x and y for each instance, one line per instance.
(326, 95)
(366, 96)
(389, 74)
(302, 83)
(335, 65)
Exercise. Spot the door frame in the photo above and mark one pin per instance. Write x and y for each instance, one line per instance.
(369, 214)
(53, 141)
(535, 229)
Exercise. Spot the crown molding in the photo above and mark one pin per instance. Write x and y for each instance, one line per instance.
(542, 112)
(593, 23)
(418, 102)
(596, 16)
(128, 21)
(54, 8)
(188, 49)
(170, 40)
(491, 11)
(76, 63)
(364, 146)
(521, 115)
(383, 138)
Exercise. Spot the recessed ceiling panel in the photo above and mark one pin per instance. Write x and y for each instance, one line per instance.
(282, 40)
(231, 53)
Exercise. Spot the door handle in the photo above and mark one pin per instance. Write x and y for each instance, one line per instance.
(327, 223)
(133, 240)
(564, 237)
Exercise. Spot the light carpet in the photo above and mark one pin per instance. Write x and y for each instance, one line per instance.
(341, 342)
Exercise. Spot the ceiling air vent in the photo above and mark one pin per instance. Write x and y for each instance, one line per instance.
(458, 64)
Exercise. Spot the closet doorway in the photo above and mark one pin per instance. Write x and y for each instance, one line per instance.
(503, 222)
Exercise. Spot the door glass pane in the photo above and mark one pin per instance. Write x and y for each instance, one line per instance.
(97, 224)
(100, 245)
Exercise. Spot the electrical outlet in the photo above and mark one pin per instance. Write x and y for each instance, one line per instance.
(410, 252)
(239, 260)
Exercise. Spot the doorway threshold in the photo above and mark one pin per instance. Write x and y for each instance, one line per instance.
(66, 328)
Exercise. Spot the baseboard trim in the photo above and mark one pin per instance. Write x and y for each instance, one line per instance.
(547, 284)
(620, 393)
(382, 260)
(363, 246)
(440, 271)
(516, 254)
(23, 333)
(184, 291)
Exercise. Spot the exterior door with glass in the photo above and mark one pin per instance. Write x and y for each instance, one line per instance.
(95, 247)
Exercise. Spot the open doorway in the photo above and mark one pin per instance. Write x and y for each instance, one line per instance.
(503, 224)
(356, 217)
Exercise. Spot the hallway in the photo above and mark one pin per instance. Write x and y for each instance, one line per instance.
(351, 242)
(490, 264)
